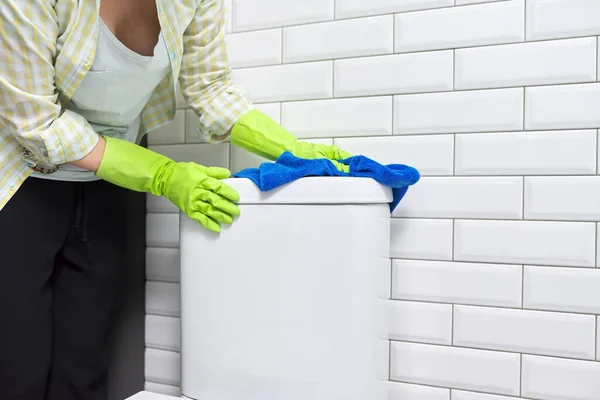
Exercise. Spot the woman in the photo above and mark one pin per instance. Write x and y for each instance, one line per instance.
(81, 81)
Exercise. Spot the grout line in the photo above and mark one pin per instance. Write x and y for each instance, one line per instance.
(520, 374)
(453, 69)
(495, 307)
(523, 286)
(435, 92)
(493, 350)
(523, 199)
(596, 337)
(491, 219)
(452, 327)
(324, 21)
(495, 263)
(524, 101)
(434, 50)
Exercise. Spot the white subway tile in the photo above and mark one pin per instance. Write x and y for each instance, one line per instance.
(162, 264)
(252, 49)
(430, 154)
(163, 332)
(421, 238)
(555, 378)
(159, 388)
(171, 133)
(394, 74)
(598, 245)
(420, 322)
(210, 155)
(162, 230)
(361, 8)
(573, 198)
(544, 243)
(465, 2)
(470, 111)
(562, 106)
(462, 395)
(524, 331)
(162, 298)
(458, 197)
(598, 339)
(330, 40)
(539, 63)
(303, 81)
(273, 110)
(339, 117)
(550, 19)
(453, 367)
(407, 391)
(257, 14)
(526, 153)
(482, 24)
(159, 204)
(241, 159)
(452, 282)
(163, 367)
(562, 289)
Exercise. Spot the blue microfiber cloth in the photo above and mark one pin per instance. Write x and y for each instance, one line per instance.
(288, 168)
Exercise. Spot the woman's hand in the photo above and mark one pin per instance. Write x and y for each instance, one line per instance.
(196, 190)
(259, 134)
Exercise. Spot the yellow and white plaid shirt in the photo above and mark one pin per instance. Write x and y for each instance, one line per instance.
(47, 47)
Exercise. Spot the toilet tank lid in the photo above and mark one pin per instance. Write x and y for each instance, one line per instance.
(315, 190)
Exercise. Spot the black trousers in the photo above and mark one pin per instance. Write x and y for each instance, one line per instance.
(61, 255)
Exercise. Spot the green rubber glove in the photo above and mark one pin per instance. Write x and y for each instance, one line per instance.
(259, 134)
(194, 189)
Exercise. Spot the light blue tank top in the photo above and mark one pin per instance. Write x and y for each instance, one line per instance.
(114, 92)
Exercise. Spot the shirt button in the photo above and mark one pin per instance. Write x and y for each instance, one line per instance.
(12, 187)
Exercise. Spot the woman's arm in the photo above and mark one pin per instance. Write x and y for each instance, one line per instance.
(29, 106)
(205, 74)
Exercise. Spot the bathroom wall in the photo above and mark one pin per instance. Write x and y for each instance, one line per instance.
(495, 279)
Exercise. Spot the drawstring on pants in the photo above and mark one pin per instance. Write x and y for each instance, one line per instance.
(81, 213)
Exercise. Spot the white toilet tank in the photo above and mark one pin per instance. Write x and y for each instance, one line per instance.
(289, 302)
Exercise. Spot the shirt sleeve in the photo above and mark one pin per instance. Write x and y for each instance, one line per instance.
(29, 105)
(205, 77)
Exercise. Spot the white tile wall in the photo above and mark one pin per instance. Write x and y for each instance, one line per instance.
(365, 116)
(257, 14)
(407, 391)
(545, 333)
(555, 378)
(548, 19)
(303, 81)
(452, 282)
(453, 367)
(421, 238)
(562, 289)
(574, 198)
(537, 63)
(472, 111)
(460, 197)
(420, 322)
(494, 278)
(527, 153)
(266, 48)
(430, 155)
(562, 106)
(547, 243)
(482, 24)
(400, 73)
(358, 8)
(462, 395)
(324, 41)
